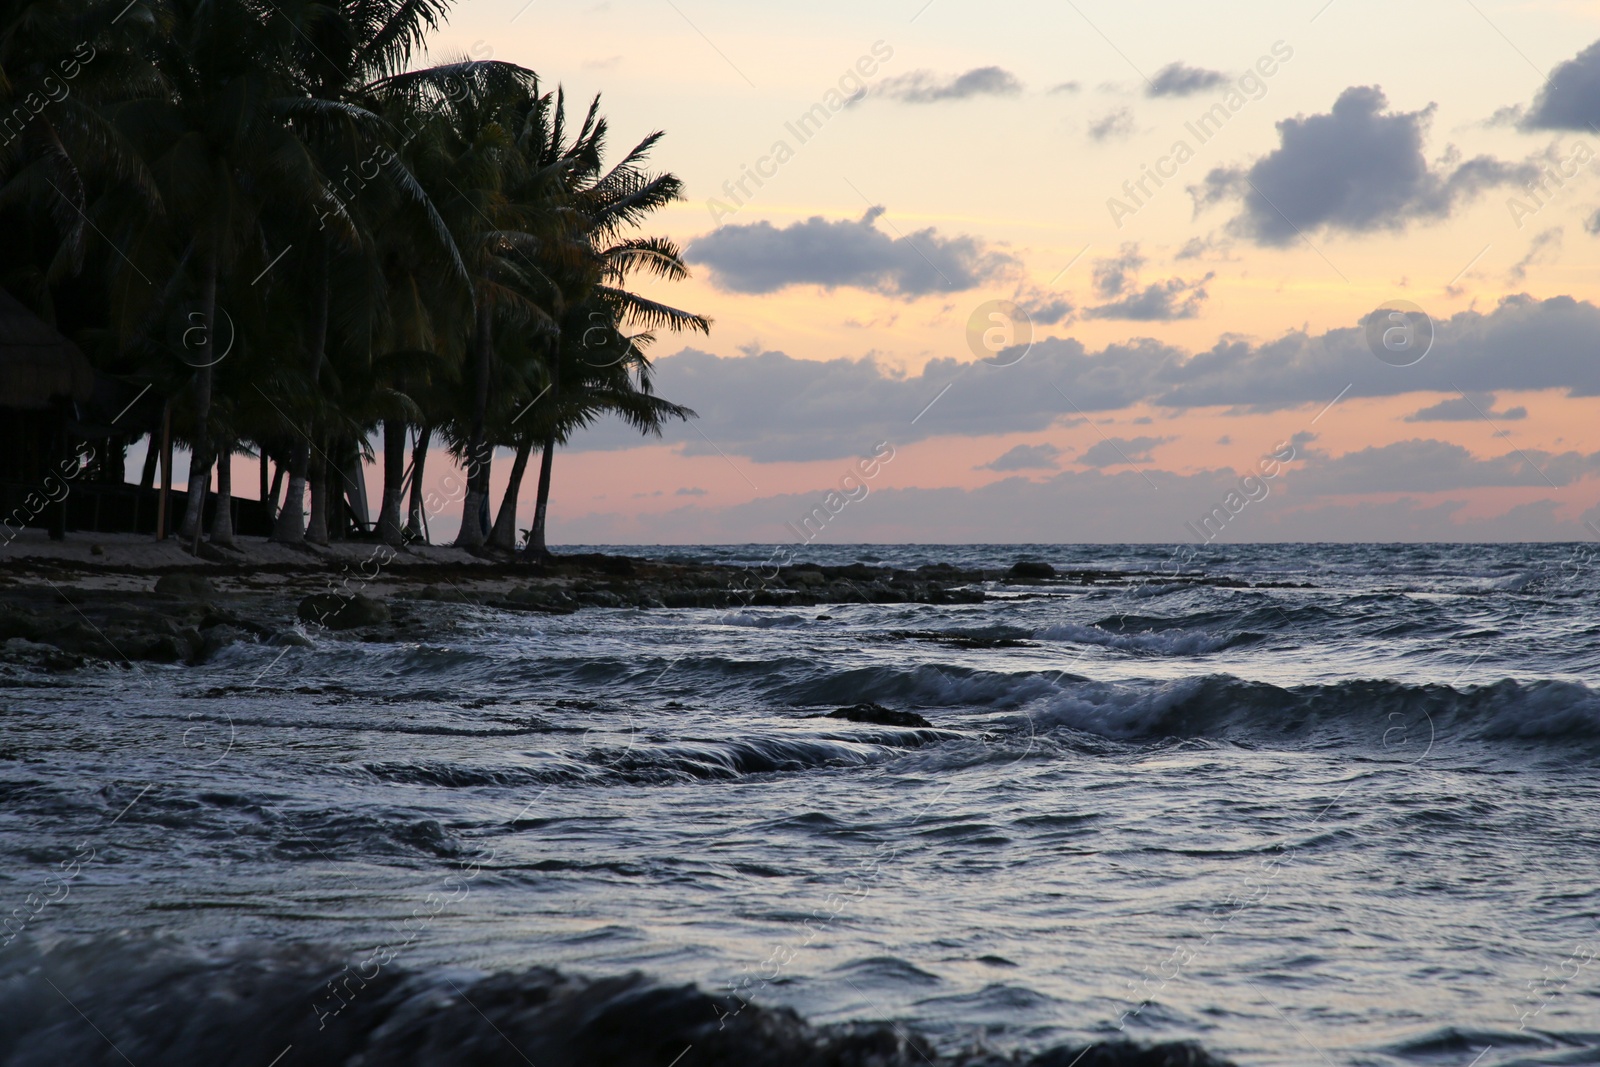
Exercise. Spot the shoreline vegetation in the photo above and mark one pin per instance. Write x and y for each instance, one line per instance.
(122, 599)
(256, 230)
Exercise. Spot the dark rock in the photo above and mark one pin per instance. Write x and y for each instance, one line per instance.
(189, 586)
(214, 639)
(619, 566)
(15, 624)
(1127, 1054)
(156, 648)
(223, 617)
(1027, 568)
(81, 639)
(216, 553)
(879, 715)
(338, 611)
(51, 658)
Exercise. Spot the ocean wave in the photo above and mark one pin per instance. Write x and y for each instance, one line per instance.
(681, 761)
(1163, 642)
(1405, 719)
(762, 622)
(923, 686)
(1399, 717)
(181, 1007)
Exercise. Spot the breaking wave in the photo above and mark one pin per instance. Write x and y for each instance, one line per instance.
(186, 1008)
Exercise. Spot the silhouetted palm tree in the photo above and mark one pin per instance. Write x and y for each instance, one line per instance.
(596, 367)
(258, 212)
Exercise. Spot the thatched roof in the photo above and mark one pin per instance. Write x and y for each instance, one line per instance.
(37, 364)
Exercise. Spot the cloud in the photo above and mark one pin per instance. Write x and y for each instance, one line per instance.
(763, 258)
(1024, 457)
(1065, 87)
(1544, 248)
(1116, 451)
(1115, 126)
(1115, 282)
(1570, 98)
(770, 407)
(1466, 409)
(1043, 307)
(1165, 301)
(691, 490)
(1113, 274)
(1523, 344)
(1591, 225)
(1208, 248)
(1510, 115)
(1175, 79)
(1359, 169)
(1082, 507)
(926, 87)
(1428, 466)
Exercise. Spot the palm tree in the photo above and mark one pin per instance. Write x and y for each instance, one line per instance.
(596, 371)
(216, 146)
(596, 368)
(473, 160)
(374, 247)
(342, 52)
(60, 60)
(602, 377)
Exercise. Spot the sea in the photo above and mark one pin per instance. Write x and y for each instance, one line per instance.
(1295, 804)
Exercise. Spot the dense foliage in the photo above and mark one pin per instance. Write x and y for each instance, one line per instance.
(264, 212)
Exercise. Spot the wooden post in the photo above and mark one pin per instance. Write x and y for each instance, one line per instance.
(166, 471)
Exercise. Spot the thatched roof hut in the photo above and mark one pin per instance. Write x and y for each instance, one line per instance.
(38, 366)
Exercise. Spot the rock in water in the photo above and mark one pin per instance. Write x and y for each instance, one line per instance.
(879, 715)
(189, 586)
(1028, 568)
(338, 611)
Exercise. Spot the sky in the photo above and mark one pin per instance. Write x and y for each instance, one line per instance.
(1095, 271)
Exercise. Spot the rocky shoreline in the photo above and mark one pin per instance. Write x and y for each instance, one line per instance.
(59, 613)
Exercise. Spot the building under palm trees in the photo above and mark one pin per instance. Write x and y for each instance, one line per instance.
(43, 381)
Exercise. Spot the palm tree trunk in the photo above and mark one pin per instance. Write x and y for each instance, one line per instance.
(504, 534)
(317, 524)
(164, 502)
(271, 499)
(147, 477)
(290, 526)
(474, 508)
(415, 520)
(541, 503)
(336, 499)
(222, 520)
(478, 451)
(200, 458)
(394, 473)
